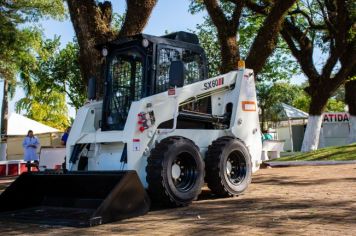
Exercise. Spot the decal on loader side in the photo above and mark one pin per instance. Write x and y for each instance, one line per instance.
(248, 106)
(213, 83)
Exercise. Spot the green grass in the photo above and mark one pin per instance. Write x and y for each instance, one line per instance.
(338, 153)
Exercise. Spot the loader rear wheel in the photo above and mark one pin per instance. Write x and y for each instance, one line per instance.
(175, 172)
(228, 167)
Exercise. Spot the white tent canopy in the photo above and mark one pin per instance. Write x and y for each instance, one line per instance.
(294, 113)
(20, 125)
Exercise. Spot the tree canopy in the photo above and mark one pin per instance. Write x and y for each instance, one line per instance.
(45, 95)
(19, 42)
(279, 66)
(47, 107)
(226, 17)
(271, 96)
(325, 27)
(60, 71)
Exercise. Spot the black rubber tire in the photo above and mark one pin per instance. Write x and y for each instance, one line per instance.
(216, 161)
(162, 187)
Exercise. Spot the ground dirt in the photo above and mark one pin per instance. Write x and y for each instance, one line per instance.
(308, 200)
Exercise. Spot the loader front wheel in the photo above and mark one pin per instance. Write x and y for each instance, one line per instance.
(228, 167)
(175, 172)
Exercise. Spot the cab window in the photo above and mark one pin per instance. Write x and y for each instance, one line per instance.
(193, 62)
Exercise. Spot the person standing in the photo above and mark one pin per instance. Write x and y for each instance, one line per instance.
(30, 145)
(65, 136)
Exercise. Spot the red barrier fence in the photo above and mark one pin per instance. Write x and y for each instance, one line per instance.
(13, 168)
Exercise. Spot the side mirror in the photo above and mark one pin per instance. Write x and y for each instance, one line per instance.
(92, 88)
(176, 74)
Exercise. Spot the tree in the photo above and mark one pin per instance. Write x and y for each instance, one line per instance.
(334, 104)
(326, 27)
(278, 67)
(302, 102)
(92, 22)
(45, 106)
(45, 98)
(18, 42)
(340, 93)
(63, 73)
(350, 99)
(226, 15)
(206, 33)
(270, 97)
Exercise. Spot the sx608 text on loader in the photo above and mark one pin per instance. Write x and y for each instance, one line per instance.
(162, 130)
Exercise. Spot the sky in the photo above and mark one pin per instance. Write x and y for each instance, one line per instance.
(168, 15)
(171, 15)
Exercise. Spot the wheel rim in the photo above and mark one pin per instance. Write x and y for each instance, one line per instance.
(236, 168)
(184, 172)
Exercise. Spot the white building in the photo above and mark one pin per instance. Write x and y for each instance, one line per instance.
(335, 128)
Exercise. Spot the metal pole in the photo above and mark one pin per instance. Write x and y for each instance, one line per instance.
(291, 134)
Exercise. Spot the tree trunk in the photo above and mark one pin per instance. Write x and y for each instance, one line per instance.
(227, 28)
(92, 24)
(229, 52)
(265, 41)
(267, 37)
(352, 135)
(263, 120)
(5, 111)
(350, 99)
(5, 118)
(312, 132)
(137, 14)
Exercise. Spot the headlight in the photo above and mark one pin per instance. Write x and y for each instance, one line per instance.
(104, 52)
(145, 43)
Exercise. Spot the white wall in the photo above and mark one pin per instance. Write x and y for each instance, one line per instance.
(336, 129)
(283, 134)
(334, 134)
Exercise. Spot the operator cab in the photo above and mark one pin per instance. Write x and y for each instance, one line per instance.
(138, 67)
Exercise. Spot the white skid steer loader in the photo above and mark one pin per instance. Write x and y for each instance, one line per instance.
(162, 126)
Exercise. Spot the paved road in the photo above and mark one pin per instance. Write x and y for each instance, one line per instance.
(308, 200)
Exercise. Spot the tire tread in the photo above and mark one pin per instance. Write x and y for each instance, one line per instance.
(156, 187)
(213, 172)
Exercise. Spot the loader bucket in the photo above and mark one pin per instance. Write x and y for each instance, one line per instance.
(74, 198)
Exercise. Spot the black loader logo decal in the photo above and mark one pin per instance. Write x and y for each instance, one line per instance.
(214, 83)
